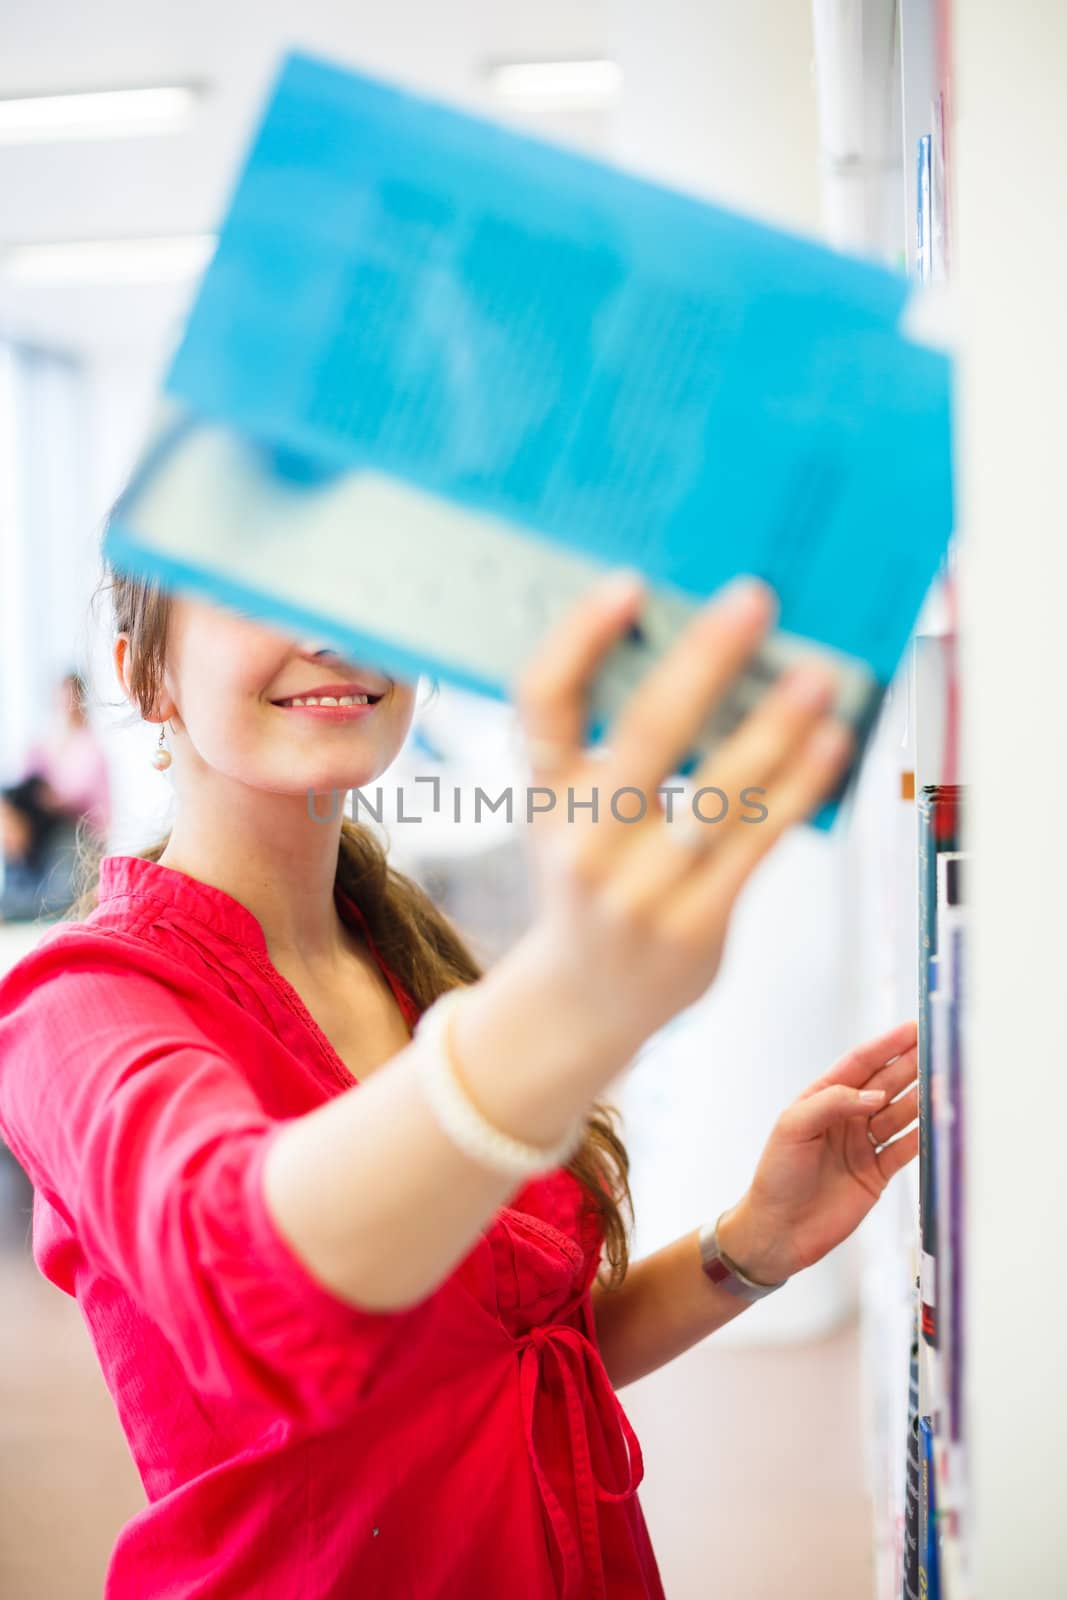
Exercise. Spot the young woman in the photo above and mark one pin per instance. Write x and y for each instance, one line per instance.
(352, 1353)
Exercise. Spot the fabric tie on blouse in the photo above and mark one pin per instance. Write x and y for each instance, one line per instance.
(588, 1394)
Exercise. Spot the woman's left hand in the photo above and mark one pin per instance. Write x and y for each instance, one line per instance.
(820, 1173)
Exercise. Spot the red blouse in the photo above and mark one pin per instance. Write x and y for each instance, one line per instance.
(291, 1444)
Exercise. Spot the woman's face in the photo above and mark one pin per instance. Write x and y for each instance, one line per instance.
(231, 681)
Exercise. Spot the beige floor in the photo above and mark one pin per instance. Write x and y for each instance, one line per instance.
(752, 1490)
(754, 1483)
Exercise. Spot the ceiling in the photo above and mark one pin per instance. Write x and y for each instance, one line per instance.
(178, 183)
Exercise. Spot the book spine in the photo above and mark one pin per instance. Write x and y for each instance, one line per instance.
(956, 1187)
(929, 1565)
(947, 1094)
(927, 949)
(922, 211)
(944, 1104)
(938, 824)
(910, 1553)
(934, 1291)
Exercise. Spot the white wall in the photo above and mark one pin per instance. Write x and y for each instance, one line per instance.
(720, 98)
(1011, 167)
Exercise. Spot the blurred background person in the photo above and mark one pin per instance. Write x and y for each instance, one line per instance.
(65, 784)
(71, 761)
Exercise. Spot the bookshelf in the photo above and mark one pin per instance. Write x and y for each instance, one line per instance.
(886, 108)
(1002, 1532)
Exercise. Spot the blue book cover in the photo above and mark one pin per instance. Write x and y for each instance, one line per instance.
(929, 1549)
(439, 375)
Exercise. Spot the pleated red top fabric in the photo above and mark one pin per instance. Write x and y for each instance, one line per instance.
(290, 1444)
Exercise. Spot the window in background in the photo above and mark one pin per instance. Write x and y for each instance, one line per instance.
(48, 556)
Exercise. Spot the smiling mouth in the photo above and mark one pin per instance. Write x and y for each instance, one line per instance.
(327, 700)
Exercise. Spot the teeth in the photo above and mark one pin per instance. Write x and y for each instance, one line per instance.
(328, 700)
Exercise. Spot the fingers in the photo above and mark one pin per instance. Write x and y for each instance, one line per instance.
(895, 1157)
(791, 796)
(808, 1119)
(750, 756)
(656, 727)
(876, 1052)
(897, 1116)
(861, 1066)
(551, 692)
(898, 1075)
(769, 736)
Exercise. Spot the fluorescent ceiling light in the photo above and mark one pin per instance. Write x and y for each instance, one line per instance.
(595, 82)
(172, 259)
(97, 114)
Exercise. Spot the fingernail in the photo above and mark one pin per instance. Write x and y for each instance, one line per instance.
(872, 1097)
(745, 596)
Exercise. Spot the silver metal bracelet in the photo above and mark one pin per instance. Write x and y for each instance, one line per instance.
(721, 1270)
(461, 1120)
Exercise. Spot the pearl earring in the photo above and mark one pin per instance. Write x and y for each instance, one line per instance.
(161, 757)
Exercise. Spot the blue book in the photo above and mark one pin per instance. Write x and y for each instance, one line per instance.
(440, 375)
(929, 1541)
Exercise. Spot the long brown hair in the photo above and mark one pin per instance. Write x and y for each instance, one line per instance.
(419, 943)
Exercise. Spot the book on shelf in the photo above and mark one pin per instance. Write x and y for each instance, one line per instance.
(938, 831)
(932, 1558)
(943, 927)
(947, 1111)
(923, 221)
(948, 1086)
(912, 1475)
(929, 1551)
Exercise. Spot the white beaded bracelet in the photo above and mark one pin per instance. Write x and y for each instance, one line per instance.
(461, 1119)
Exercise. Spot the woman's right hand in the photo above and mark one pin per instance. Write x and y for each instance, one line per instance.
(631, 916)
(369, 1190)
